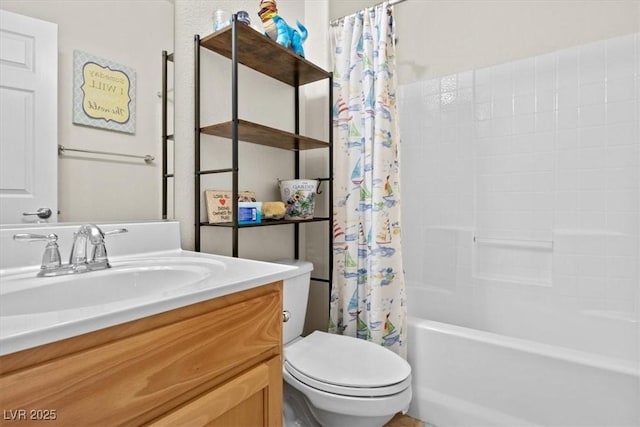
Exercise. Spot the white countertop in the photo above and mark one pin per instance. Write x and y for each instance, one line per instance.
(19, 331)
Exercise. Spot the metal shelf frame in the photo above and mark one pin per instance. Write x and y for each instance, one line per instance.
(243, 45)
(166, 58)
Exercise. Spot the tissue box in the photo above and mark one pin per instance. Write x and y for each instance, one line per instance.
(220, 206)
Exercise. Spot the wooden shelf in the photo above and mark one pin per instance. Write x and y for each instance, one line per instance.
(264, 135)
(243, 45)
(264, 55)
(267, 222)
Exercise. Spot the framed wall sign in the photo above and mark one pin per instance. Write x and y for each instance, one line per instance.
(104, 93)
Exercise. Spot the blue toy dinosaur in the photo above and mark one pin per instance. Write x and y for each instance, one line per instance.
(277, 28)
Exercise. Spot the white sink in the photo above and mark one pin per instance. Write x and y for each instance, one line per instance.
(127, 281)
(150, 274)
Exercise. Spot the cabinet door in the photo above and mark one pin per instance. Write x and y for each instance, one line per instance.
(251, 399)
(141, 377)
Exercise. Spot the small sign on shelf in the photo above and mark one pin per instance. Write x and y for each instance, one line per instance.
(220, 206)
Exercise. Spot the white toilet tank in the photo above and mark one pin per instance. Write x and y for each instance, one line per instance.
(295, 297)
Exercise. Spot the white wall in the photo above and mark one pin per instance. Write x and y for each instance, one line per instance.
(521, 191)
(101, 188)
(440, 37)
(461, 35)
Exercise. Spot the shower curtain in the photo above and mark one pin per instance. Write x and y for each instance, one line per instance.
(368, 294)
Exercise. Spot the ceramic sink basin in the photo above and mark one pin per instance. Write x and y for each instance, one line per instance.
(39, 310)
(128, 281)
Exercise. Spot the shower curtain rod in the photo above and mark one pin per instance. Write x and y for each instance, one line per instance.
(391, 3)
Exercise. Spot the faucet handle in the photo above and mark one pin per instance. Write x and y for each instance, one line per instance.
(99, 255)
(30, 237)
(51, 259)
(116, 231)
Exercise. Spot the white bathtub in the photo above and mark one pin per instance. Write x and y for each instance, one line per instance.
(466, 377)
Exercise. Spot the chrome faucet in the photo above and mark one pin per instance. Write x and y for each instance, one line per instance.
(88, 236)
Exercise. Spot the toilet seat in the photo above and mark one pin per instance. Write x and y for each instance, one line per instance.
(351, 405)
(347, 391)
(346, 366)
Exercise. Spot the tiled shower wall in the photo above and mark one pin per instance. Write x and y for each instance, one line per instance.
(521, 197)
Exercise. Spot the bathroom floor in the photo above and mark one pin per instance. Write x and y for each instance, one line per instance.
(404, 421)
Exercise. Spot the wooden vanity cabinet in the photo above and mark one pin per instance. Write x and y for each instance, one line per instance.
(215, 363)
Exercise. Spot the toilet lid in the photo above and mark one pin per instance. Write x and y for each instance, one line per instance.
(346, 365)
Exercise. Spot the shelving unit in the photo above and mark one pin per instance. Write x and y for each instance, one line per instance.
(243, 45)
(166, 175)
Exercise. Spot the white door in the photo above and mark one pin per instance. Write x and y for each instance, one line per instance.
(28, 119)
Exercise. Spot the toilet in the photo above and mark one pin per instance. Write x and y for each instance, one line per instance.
(333, 380)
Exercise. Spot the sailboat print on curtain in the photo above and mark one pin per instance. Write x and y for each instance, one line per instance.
(340, 113)
(367, 297)
(365, 197)
(357, 175)
(363, 330)
(355, 137)
(370, 102)
(339, 241)
(391, 334)
(387, 194)
(384, 234)
(350, 265)
(353, 305)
